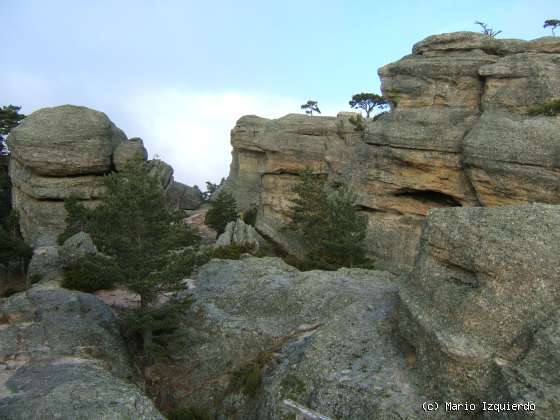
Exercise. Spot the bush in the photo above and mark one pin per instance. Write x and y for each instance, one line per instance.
(332, 227)
(90, 273)
(231, 252)
(222, 211)
(549, 109)
(190, 413)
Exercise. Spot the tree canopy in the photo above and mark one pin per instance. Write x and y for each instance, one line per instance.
(9, 118)
(145, 247)
(310, 107)
(223, 209)
(552, 24)
(368, 102)
(332, 227)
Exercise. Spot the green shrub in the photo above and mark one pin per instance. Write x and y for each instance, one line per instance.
(190, 413)
(231, 252)
(222, 210)
(248, 378)
(91, 273)
(549, 109)
(358, 122)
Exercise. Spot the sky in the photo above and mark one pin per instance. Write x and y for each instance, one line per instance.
(180, 73)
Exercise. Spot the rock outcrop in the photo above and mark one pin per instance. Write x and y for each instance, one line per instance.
(239, 233)
(62, 356)
(63, 151)
(481, 305)
(260, 331)
(131, 150)
(55, 153)
(458, 134)
(183, 197)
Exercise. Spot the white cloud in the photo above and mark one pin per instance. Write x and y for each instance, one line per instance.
(191, 131)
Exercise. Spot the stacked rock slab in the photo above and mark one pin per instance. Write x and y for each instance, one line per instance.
(56, 153)
(65, 151)
(458, 134)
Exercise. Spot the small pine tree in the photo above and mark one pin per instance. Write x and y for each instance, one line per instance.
(552, 24)
(310, 107)
(332, 228)
(149, 245)
(9, 118)
(223, 209)
(368, 102)
(343, 233)
(307, 212)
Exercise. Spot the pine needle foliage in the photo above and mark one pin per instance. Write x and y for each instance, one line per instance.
(332, 227)
(223, 209)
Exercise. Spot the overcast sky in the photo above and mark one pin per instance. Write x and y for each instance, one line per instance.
(180, 73)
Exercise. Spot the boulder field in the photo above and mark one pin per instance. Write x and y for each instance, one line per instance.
(458, 135)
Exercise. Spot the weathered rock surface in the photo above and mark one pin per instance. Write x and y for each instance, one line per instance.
(75, 247)
(132, 149)
(58, 152)
(162, 171)
(63, 357)
(324, 340)
(65, 140)
(182, 197)
(239, 233)
(45, 265)
(481, 303)
(458, 135)
(65, 151)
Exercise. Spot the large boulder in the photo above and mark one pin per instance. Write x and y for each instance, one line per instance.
(260, 332)
(45, 265)
(55, 153)
(162, 171)
(65, 140)
(130, 150)
(75, 247)
(481, 302)
(63, 357)
(182, 197)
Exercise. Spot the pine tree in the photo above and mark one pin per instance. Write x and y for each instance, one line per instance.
(332, 228)
(343, 233)
(223, 209)
(148, 244)
(9, 118)
(307, 212)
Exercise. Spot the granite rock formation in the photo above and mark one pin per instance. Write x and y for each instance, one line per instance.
(63, 151)
(241, 234)
(480, 306)
(55, 153)
(322, 339)
(62, 356)
(458, 134)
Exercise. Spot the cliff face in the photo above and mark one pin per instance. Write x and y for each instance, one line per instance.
(458, 134)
